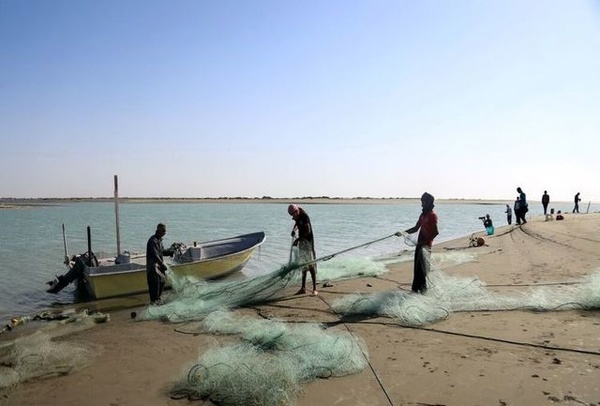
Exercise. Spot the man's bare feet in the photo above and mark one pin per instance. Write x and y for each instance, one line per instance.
(300, 292)
(315, 293)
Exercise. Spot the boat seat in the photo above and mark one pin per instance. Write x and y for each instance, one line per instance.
(192, 254)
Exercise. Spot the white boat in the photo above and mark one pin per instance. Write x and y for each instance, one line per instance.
(217, 258)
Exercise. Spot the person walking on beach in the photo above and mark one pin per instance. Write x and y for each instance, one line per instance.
(577, 200)
(155, 266)
(523, 206)
(428, 230)
(306, 245)
(545, 201)
(508, 212)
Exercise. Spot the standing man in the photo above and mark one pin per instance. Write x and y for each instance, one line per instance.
(545, 201)
(306, 246)
(523, 206)
(428, 230)
(577, 200)
(508, 212)
(155, 266)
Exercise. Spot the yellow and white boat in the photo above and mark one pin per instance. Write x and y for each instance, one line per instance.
(126, 275)
(215, 259)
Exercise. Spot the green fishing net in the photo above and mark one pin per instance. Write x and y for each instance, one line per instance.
(447, 294)
(270, 363)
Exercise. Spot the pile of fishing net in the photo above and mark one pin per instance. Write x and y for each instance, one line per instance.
(270, 363)
(38, 357)
(41, 355)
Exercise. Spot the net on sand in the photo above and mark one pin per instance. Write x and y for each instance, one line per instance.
(270, 363)
(40, 356)
(272, 359)
(447, 294)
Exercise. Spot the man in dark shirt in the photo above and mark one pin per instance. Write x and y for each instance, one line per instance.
(306, 245)
(577, 200)
(545, 201)
(155, 266)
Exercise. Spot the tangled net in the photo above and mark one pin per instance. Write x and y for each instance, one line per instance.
(447, 294)
(194, 299)
(270, 364)
(40, 356)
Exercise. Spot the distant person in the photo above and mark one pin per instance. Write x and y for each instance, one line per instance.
(517, 207)
(577, 200)
(545, 201)
(523, 205)
(559, 216)
(306, 246)
(155, 265)
(508, 212)
(428, 230)
(487, 223)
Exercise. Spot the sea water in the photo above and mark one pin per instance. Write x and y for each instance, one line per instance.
(32, 247)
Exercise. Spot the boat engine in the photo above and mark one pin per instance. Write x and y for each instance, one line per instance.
(77, 265)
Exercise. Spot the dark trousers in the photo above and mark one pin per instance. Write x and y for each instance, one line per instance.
(545, 207)
(520, 213)
(156, 285)
(421, 269)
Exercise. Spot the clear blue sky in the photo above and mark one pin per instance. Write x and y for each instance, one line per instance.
(463, 99)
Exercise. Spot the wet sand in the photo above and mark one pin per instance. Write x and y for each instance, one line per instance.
(471, 358)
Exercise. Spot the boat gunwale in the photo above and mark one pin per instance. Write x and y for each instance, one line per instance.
(213, 259)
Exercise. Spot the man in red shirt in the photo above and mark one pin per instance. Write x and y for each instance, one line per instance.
(428, 230)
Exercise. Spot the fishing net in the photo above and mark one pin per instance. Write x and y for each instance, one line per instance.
(38, 356)
(273, 359)
(447, 294)
(41, 355)
(194, 299)
(271, 363)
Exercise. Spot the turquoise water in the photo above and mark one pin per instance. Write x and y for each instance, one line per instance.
(32, 250)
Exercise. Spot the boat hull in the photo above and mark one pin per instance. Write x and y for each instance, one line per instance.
(215, 268)
(114, 280)
(218, 259)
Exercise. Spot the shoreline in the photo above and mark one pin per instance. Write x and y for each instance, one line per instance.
(12, 203)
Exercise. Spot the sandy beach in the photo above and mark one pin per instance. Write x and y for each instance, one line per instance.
(517, 357)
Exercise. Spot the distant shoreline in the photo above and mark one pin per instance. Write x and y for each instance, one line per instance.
(15, 203)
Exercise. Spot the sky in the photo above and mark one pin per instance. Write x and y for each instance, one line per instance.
(341, 98)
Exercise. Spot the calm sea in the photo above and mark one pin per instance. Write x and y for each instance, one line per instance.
(32, 248)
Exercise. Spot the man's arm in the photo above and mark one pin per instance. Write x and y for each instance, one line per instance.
(156, 253)
(413, 229)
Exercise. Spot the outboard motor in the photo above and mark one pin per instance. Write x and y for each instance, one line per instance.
(76, 268)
